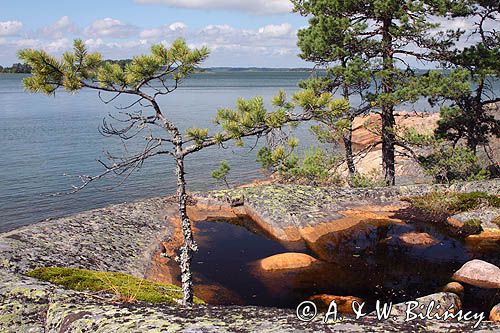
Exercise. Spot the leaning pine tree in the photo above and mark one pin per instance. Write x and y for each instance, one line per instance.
(146, 78)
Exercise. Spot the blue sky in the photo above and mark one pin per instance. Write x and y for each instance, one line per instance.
(239, 33)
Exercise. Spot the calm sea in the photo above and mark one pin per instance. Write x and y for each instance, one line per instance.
(46, 142)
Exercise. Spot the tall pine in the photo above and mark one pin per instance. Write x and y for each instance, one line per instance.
(391, 34)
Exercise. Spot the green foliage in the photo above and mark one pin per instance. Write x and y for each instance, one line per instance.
(414, 138)
(310, 101)
(464, 117)
(315, 166)
(78, 69)
(199, 135)
(126, 287)
(450, 203)
(248, 115)
(447, 164)
(369, 180)
(324, 134)
(365, 46)
(280, 159)
(220, 174)
(251, 115)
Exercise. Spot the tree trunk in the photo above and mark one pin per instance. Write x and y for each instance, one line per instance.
(347, 137)
(388, 120)
(189, 246)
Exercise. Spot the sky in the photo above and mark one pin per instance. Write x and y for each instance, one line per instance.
(241, 33)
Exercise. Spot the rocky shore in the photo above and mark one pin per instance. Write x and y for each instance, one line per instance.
(28, 305)
(131, 237)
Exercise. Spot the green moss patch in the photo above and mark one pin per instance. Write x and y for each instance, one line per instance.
(450, 203)
(125, 287)
(472, 227)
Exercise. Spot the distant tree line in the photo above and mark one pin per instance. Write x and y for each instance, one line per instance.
(16, 68)
(24, 68)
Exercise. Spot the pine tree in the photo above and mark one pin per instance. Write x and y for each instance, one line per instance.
(465, 88)
(387, 32)
(146, 78)
(333, 42)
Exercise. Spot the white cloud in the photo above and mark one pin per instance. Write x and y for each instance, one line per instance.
(176, 28)
(109, 27)
(10, 28)
(262, 7)
(269, 45)
(60, 28)
(94, 43)
(273, 30)
(452, 23)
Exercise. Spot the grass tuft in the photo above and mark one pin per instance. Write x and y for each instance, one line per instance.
(125, 287)
(449, 203)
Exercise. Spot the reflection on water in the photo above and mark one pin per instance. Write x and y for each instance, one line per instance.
(367, 261)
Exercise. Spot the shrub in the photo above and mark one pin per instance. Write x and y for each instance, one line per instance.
(315, 167)
(447, 164)
(220, 174)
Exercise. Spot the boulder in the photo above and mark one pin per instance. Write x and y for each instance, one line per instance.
(495, 313)
(366, 128)
(289, 260)
(479, 273)
(454, 287)
(485, 215)
(344, 303)
(448, 302)
(417, 239)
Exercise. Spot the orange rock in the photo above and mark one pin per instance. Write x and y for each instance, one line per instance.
(454, 222)
(417, 239)
(217, 294)
(351, 218)
(289, 260)
(488, 238)
(495, 313)
(366, 129)
(344, 303)
(203, 211)
(165, 269)
(454, 287)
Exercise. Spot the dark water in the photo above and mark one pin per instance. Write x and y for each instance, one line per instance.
(367, 261)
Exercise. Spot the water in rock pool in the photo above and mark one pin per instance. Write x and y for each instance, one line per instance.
(368, 261)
